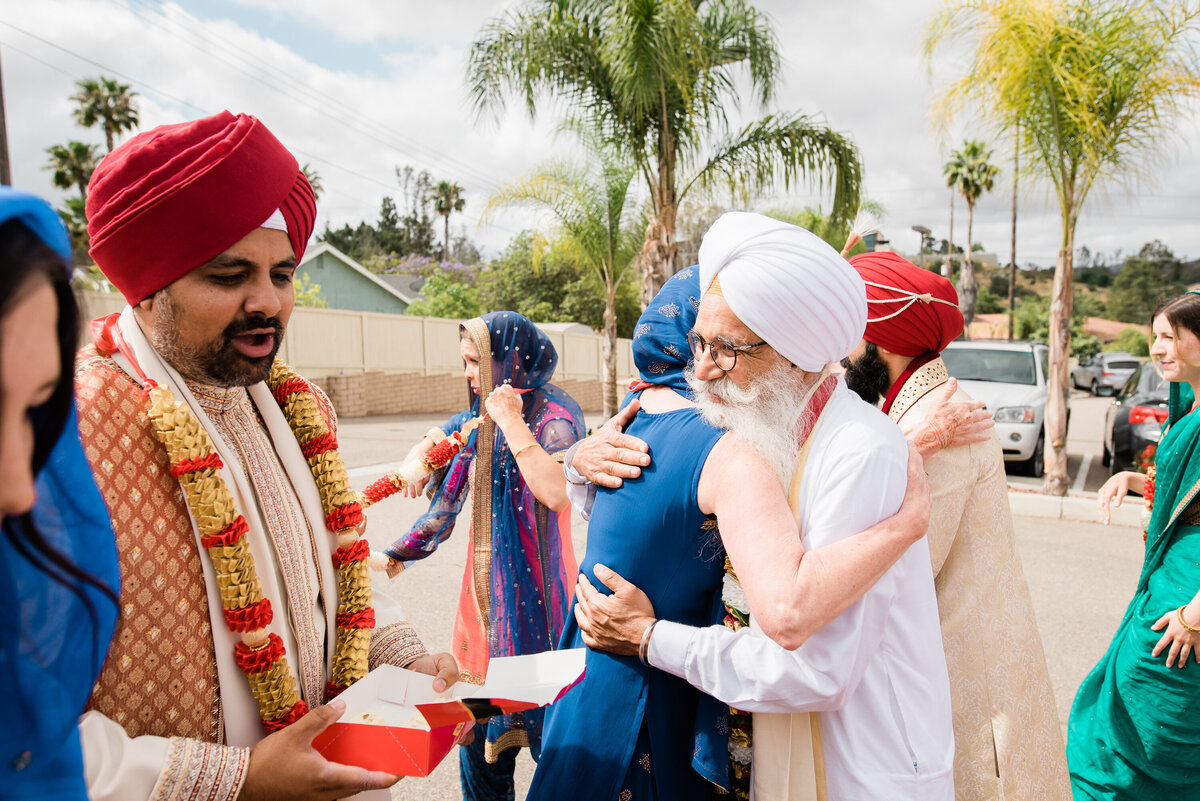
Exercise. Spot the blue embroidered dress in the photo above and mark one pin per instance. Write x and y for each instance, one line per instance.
(627, 731)
(521, 564)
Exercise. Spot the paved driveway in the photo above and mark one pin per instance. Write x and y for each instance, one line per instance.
(1081, 575)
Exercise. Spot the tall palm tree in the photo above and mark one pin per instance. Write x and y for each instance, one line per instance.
(969, 174)
(591, 202)
(72, 165)
(1097, 88)
(314, 179)
(447, 198)
(656, 77)
(108, 104)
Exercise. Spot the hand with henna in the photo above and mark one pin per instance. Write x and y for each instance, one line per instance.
(952, 423)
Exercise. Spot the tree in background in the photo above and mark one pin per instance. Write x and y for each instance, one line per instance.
(592, 205)
(1143, 282)
(442, 296)
(656, 78)
(1132, 341)
(543, 279)
(447, 198)
(71, 166)
(106, 103)
(1096, 88)
(308, 293)
(969, 174)
(314, 179)
(1032, 321)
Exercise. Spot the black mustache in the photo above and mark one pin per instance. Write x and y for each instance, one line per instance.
(239, 327)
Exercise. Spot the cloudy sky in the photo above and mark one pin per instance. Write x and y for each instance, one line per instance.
(358, 87)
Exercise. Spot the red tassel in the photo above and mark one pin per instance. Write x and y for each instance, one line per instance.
(344, 517)
(318, 444)
(186, 466)
(357, 552)
(291, 716)
(290, 387)
(363, 619)
(228, 535)
(259, 660)
(257, 615)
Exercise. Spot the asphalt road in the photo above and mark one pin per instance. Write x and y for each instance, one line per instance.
(1080, 575)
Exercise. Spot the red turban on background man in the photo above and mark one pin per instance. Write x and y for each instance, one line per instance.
(176, 196)
(910, 311)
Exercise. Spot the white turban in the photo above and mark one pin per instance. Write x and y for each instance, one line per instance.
(788, 286)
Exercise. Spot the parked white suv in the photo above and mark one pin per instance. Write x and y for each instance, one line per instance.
(1010, 377)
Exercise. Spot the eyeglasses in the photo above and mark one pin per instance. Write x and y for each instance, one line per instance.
(723, 354)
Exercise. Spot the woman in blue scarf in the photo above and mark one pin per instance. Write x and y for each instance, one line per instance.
(1134, 731)
(58, 562)
(628, 731)
(520, 562)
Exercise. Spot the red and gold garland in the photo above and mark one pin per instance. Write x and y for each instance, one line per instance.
(196, 465)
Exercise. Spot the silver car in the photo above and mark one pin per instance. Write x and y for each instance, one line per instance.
(1104, 373)
(1010, 378)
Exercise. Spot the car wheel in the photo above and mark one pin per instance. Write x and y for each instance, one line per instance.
(1095, 387)
(1035, 465)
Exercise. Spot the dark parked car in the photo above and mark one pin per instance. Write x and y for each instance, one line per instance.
(1104, 373)
(1134, 420)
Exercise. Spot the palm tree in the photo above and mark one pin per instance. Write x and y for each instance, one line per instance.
(1097, 88)
(592, 204)
(655, 77)
(447, 198)
(314, 179)
(107, 103)
(72, 165)
(969, 174)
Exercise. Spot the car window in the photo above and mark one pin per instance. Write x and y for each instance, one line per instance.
(1123, 365)
(1152, 384)
(1001, 366)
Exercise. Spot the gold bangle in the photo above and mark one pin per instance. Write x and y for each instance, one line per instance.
(1183, 622)
(524, 448)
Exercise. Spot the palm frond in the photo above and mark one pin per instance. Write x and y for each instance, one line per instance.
(782, 150)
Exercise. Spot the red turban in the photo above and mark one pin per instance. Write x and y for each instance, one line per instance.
(910, 311)
(175, 197)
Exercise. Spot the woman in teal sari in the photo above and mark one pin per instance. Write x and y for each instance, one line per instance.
(1134, 731)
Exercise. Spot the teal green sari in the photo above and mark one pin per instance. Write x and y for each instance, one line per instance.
(1134, 731)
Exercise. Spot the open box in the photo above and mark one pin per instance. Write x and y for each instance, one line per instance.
(396, 723)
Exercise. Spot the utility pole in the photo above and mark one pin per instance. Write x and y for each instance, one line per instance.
(1012, 264)
(5, 164)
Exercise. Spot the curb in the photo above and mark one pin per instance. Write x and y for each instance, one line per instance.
(1080, 508)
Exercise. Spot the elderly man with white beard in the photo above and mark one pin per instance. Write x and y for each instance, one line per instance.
(860, 709)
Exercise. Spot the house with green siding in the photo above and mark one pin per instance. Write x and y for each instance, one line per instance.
(346, 284)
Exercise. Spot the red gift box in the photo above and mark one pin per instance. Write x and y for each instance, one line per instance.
(396, 723)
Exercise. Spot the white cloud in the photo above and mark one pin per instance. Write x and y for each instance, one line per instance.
(855, 64)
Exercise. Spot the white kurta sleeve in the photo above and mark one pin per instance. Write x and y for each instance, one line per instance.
(755, 674)
(123, 768)
(580, 492)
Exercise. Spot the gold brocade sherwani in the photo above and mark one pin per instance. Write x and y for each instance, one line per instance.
(1008, 744)
(161, 676)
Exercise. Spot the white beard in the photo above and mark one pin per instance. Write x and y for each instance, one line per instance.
(767, 414)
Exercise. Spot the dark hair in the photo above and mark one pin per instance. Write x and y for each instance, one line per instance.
(25, 263)
(1182, 311)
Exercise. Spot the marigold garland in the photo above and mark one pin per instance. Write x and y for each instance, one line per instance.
(737, 616)
(261, 654)
(343, 516)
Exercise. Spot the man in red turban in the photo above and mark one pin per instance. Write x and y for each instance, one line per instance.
(1006, 733)
(235, 618)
